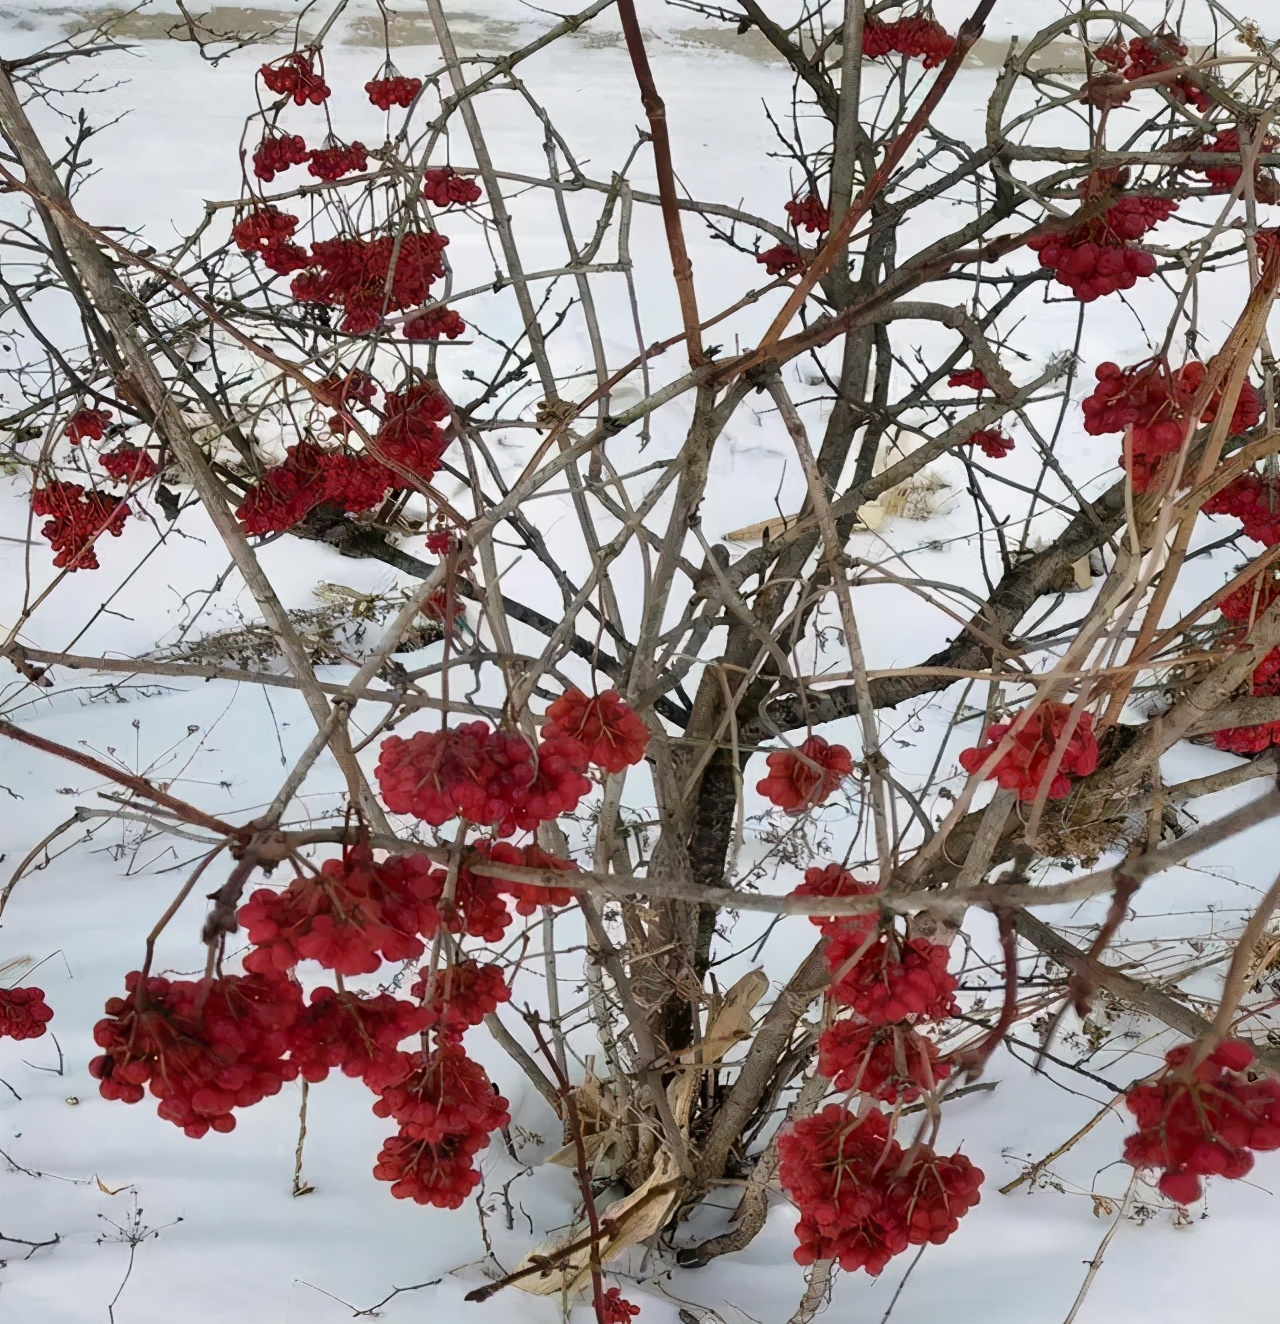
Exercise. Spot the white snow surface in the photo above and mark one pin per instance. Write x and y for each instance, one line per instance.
(231, 1243)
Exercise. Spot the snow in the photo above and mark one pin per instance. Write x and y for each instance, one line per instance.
(221, 1238)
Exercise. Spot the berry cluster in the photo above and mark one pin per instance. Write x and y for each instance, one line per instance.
(1249, 403)
(832, 880)
(1097, 256)
(276, 153)
(410, 436)
(433, 324)
(446, 1108)
(368, 278)
(611, 735)
(391, 88)
(529, 896)
(87, 425)
(128, 464)
(1224, 178)
(349, 917)
(202, 1048)
(971, 379)
(1243, 605)
(1202, 1121)
(311, 477)
(1247, 739)
(916, 38)
(444, 187)
(1144, 56)
(860, 1202)
(617, 1309)
(336, 159)
(459, 996)
(808, 213)
(991, 441)
(890, 978)
(295, 76)
(1253, 499)
(24, 1014)
(1024, 767)
(780, 260)
(344, 391)
(268, 232)
(76, 520)
(800, 779)
(892, 1063)
(359, 1035)
(1150, 400)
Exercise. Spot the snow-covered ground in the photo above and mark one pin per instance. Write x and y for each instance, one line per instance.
(210, 1231)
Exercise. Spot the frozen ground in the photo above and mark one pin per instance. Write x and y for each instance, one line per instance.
(209, 1231)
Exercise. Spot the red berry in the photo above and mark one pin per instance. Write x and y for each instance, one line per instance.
(24, 1014)
(800, 779)
(612, 736)
(87, 424)
(1024, 766)
(444, 187)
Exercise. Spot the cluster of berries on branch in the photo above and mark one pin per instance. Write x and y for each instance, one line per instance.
(884, 978)
(919, 38)
(129, 464)
(1024, 767)
(87, 425)
(444, 187)
(268, 232)
(76, 519)
(435, 323)
(1224, 178)
(780, 260)
(278, 152)
(992, 442)
(891, 1063)
(336, 159)
(616, 1308)
(1253, 499)
(24, 1014)
(459, 996)
(354, 1033)
(392, 88)
(970, 379)
(800, 779)
(1204, 1120)
(295, 76)
(1098, 256)
(832, 881)
(1144, 56)
(860, 1201)
(809, 213)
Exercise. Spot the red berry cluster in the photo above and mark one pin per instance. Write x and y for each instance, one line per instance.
(276, 153)
(800, 779)
(87, 425)
(860, 1202)
(1254, 499)
(433, 324)
(1151, 400)
(529, 896)
(1224, 178)
(1144, 56)
(268, 232)
(1243, 605)
(24, 1014)
(808, 213)
(359, 1035)
(410, 436)
(128, 464)
(202, 1048)
(916, 38)
(311, 477)
(892, 1063)
(336, 159)
(612, 735)
(368, 278)
(295, 76)
(459, 996)
(1249, 403)
(349, 917)
(780, 260)
(76, 520)
(1247, 739)
(1098, 257)
(971, 379)
(1024, 766)
(447, 1108)
(991, 441)
(444, 187)
(1203, 1121)
(1266, 675)
(392, 89)
(832, 880)
(616, 1308)
(891, 978)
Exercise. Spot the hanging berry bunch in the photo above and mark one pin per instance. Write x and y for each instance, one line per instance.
(278, 152)
(1203, 1121)
(780, 260)
(345, 391)
(295, 76)
(1253, 499)
(611, 735)
(268, 232)
(433, 324)
(128, 464)
(1224, 178)
(310, 477)
(1024, 767)
(970, 379)
(832, 881)
(890, 1063)
(87, 425)
(444, 187)
(391, 88)
(918, 38)
(808, 213)
(76, 520)
(992, 442)
(24, 1014)
(1145, 56)
(459, 996)
(354, 1033)
(801, 779)
(336, 159)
